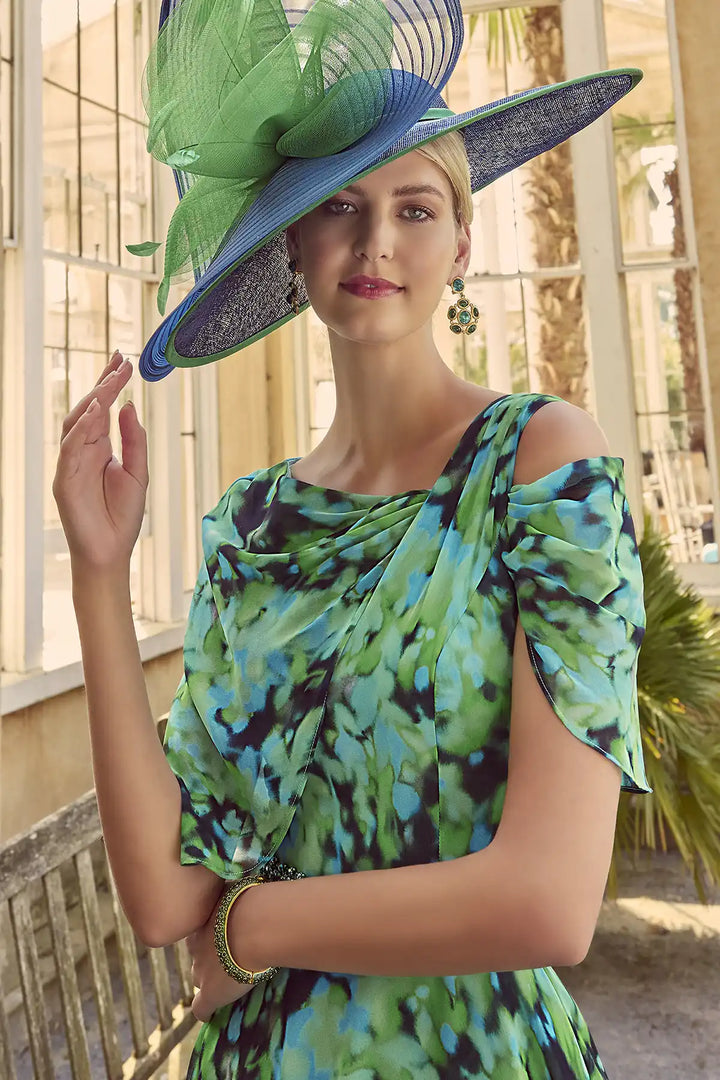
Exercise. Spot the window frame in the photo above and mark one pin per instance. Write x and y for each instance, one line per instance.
(163, 600)
(604, 272)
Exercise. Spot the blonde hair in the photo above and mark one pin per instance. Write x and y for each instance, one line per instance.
(449, 154)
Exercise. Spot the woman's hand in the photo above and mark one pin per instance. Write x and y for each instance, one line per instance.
(101, 501)
(215, 987)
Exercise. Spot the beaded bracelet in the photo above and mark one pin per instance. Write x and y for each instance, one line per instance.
(274, 871)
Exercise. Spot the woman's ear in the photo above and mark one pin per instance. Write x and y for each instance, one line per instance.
(463, 251)
(291, 241)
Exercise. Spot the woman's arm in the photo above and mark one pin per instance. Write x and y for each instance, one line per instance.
(456, 917)
(138, 794)
(101, 502)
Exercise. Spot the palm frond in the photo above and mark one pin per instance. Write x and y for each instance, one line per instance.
(679, 705)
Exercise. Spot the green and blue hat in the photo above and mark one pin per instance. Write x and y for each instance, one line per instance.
(265, 108)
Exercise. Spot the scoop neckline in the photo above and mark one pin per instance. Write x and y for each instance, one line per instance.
(305, 485)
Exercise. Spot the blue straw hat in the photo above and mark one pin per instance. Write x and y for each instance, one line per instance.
(266, 108)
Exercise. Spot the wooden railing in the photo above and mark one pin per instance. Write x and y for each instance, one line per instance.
(55, 880)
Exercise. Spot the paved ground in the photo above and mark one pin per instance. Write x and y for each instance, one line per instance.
(650, 985)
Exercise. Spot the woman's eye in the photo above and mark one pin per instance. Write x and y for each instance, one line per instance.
(333, 207)
(423, 210)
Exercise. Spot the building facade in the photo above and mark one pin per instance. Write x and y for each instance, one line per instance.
(594, 268)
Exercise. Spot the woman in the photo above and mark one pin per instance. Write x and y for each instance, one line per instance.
(381, 642)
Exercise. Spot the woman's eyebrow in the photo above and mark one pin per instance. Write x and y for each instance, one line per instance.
(406, 189)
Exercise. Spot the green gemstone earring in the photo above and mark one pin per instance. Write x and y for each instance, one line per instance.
(462, 314)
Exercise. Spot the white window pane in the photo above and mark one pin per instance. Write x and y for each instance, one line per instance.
(190, 510)
(132, 53)
(637, 36)
(494, 355)
(60, 171)
(98, 132)
(59, 42)
(55, 304)
(125, 313)
(87, 309)
(135, 193)
(97, 51)
(646, 161)
(676, 479)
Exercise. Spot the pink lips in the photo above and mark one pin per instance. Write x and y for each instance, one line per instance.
(370, 288)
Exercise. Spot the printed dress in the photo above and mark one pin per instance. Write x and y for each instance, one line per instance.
(345, 706)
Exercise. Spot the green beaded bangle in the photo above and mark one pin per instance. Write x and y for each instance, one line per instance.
(273, 872)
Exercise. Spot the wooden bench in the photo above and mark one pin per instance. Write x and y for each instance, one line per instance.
(55, 880)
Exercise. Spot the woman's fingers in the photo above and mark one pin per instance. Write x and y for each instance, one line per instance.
(114, 362)
(112, 380)
(87, 430)
(134, 445)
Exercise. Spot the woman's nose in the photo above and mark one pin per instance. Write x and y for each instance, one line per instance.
(374, 238)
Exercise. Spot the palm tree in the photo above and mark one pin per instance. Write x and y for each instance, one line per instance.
(679, 705)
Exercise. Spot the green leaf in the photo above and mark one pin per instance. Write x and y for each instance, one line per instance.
(149, 247)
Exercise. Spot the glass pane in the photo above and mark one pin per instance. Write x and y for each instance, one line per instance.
(60, 171)
(97, 51)
(59, 43)
(320, 376)
(555, 328)
(191, 518)
(132, 52)
(87, 323)
(524, 220)
(670, 407)
(646, 159)
(7, 135)
(534, 47)
(494, 355)
(55, 303)
(69, 376)
(637, 36)
(99, 183)
(493, 233)
(126, 320)
(6, 30)
(56, 409)
(135, 193)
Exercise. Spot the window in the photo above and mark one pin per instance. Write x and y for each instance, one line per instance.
(90, 188)
(543, 264)
(661, 281)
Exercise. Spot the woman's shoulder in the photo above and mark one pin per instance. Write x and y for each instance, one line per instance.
(556, 433)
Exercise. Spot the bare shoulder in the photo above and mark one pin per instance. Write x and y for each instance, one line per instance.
(555, 435)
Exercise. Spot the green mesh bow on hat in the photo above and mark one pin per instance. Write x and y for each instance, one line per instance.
(232, 92)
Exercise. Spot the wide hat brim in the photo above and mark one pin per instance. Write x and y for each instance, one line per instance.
(241, 295)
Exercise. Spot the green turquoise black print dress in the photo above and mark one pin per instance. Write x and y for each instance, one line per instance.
(345, 706)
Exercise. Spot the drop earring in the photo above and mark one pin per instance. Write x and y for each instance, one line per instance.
(292, 296)
(462, 314)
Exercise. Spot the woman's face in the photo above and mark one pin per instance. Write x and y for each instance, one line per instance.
(380, 228)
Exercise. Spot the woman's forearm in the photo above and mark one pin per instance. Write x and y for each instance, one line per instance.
(476, 913)
(138, 794)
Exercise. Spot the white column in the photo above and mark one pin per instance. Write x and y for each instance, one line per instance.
(207, 445)
(601, 254)
(165, 501)
(22, 390)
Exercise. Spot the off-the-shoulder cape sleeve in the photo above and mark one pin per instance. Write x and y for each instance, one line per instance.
(572, 555)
